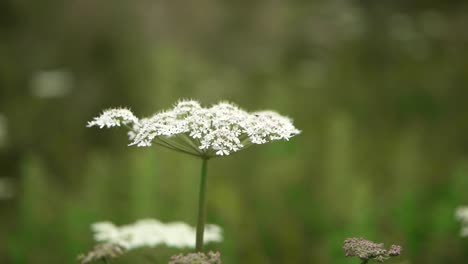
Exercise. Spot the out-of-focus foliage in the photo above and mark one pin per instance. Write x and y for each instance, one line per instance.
(379, 89)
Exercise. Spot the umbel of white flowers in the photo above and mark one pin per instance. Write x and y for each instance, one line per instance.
(151, 233)
(189, 128)
(219, 130)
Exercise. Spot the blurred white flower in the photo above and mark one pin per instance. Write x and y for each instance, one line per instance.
(461, 214)
(6, 188)
(50, 84)
(3, 130)
(206, 132)
(151, 233)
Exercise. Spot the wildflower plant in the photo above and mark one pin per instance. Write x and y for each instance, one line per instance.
(367, 250)
(206, 133)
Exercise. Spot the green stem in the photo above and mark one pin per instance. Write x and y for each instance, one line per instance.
(364, 261)
(201, 208)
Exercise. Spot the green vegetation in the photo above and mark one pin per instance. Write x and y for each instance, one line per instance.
(378, 89)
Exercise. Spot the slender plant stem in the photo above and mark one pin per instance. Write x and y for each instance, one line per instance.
(201, 208)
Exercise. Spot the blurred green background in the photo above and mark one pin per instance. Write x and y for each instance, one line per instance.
(379, 89)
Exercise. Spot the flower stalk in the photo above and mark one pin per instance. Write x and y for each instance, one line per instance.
(201, 207)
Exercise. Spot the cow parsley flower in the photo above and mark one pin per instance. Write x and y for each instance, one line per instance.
(151, 233)
(461, 214)
(188, 127)
(219, 130)
(367, 250)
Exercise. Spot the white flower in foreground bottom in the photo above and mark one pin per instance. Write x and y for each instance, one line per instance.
(151, 233)
(461, 214)
(206, 132)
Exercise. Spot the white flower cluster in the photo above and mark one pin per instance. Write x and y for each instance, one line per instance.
(461, 214)
(114, 117)
(151, 233)
(216, 131)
